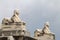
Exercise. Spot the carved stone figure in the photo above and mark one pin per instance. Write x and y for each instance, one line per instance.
(44, 34)
(46, 28)
(15, 17)
(6, 21)
(38, 33)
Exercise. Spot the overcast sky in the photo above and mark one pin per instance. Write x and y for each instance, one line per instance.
(34, 12)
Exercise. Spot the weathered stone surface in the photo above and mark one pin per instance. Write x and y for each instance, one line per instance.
(46, 28)
(14, 19)
(46, 37)
(15, 29)
(44, 34)
(14, 26)
(3, 38)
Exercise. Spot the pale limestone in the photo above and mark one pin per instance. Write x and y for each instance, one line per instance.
(44, 34)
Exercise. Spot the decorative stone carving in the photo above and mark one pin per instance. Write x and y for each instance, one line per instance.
(38, 32)
(10, 38)
(6, 21)
(15, 29)
(46, 28)
(14, 19)
(44, 34)
(14, 25)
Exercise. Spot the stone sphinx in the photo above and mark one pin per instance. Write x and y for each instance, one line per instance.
(14, 19)
(44, 34)
(45, 30)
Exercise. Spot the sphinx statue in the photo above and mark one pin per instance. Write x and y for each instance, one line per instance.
(14, 19)
(46, 28)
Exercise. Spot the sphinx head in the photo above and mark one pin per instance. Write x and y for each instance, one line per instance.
(47, 24)
(16, 11)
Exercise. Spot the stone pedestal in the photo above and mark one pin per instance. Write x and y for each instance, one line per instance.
(46, 37)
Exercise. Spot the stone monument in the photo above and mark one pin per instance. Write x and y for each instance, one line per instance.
(14, 26)
(45, 33)
(14, 19)
(15, 29)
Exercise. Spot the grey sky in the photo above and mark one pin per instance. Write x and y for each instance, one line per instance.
(34, 12)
